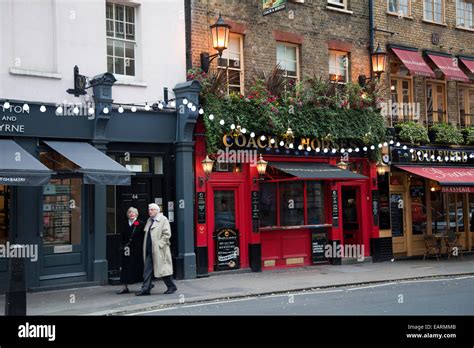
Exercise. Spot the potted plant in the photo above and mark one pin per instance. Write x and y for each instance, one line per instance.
(412, 132)
(444, 133)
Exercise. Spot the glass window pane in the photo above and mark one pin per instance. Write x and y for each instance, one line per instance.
(291, 53)
(291, 204)
(268, 216)
(136, 164)
(314, 204)
(119, 13)
(110, 65)
(130, 14)
(110, 28)
(130, 67)
(61, 212)
(119, 66)
(280, 53)
(418, 205)
(234, 77)
(224, 209)
(119, 30)
(438, 214)
(158, 165)
(130, 32)
(109, 11)
(129, 50)
(110, 47)
(119, 49)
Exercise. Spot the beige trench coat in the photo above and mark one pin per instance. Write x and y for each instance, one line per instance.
(160, 240)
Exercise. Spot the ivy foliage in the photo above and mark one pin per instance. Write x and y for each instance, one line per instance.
(314, 108)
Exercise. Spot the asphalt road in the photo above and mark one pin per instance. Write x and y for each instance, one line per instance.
(446, 296)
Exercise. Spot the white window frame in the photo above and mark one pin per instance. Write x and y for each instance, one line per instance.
(339, 53)
(408, 14)
(240, 69)
(432, 19)
(285, 72)
(124, 40)
(342, 4)
(464, 17)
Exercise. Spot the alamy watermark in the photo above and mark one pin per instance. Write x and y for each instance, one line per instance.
(346, 251)
(76, 109)
(24, 251)
(400, 110)
(237, 156)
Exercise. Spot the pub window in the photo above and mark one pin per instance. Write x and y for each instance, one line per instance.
(341, 4)
(418, 206)
(384, 201)
(232, 62)
(434, 11)
(438, 211)
(399, 7)
(435, 102)
(466, 106)
(288, 61)
(62, 211)
(121, 39)
(291, 204)
(465, 14)
(268, 205)
(338, 66)
(158, 165)
(401, 95)
(314, 202)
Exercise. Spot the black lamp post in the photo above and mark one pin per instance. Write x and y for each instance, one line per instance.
(379, 61)
(220, 42)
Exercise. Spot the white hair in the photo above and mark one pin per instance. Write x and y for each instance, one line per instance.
(132, 209)
(153, 205)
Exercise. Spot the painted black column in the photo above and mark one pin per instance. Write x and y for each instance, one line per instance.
(186, 120)
(103, 99)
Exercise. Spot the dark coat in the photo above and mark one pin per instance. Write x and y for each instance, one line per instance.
(131, 270)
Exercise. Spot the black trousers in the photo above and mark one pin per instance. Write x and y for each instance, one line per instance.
(148, 276)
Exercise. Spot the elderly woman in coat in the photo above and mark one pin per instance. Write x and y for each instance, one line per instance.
(156, 252)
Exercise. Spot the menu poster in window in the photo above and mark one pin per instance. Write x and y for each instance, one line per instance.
(227, 246)
(396, 212)
(417, 188)
(201, 206)
(255, 211)
(335, 208)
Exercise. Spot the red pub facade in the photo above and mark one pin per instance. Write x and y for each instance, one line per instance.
(304, 210)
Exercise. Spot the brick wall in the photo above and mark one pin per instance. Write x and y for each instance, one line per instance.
(311, 25)
(417, 33)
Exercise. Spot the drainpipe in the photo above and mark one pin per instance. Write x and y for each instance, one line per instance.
(187, 25)
(371, 32)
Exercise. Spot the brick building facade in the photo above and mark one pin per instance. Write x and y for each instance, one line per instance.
(313, 26)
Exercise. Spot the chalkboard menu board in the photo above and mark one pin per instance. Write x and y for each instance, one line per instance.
(375, 207)
(255, 211)
(201, 205)
(396, 212)
(318, 243)
(335, 208)
(227, 249)
(384, 202)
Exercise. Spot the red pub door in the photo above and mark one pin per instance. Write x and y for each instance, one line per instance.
(227, 211)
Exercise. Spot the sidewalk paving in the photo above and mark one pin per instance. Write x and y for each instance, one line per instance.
(102, 300)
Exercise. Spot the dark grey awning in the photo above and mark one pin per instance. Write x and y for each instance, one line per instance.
(19, 168)
(320, 171)
(96, 167)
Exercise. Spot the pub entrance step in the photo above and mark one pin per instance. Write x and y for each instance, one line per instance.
(354, 260)
(235, 271)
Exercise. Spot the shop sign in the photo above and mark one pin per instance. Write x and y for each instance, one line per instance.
(318, 246)
(272, 6)
(432, 155)
(8, 119)
(273, 142)
(255, 211)
(457, 189)
(227, 249)
(201, 204)
(335, 208)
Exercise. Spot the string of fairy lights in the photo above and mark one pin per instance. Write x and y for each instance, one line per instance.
(238, 129)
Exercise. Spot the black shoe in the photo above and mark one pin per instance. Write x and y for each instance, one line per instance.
(123, 291)
(171, 290)
(142, 293)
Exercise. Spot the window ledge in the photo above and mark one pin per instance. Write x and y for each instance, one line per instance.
(396, 15)
(464, 28)
(35, 73)
(135, 83)
(435, 23)
(331, 8)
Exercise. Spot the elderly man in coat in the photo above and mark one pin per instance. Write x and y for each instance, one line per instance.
(156, 252)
